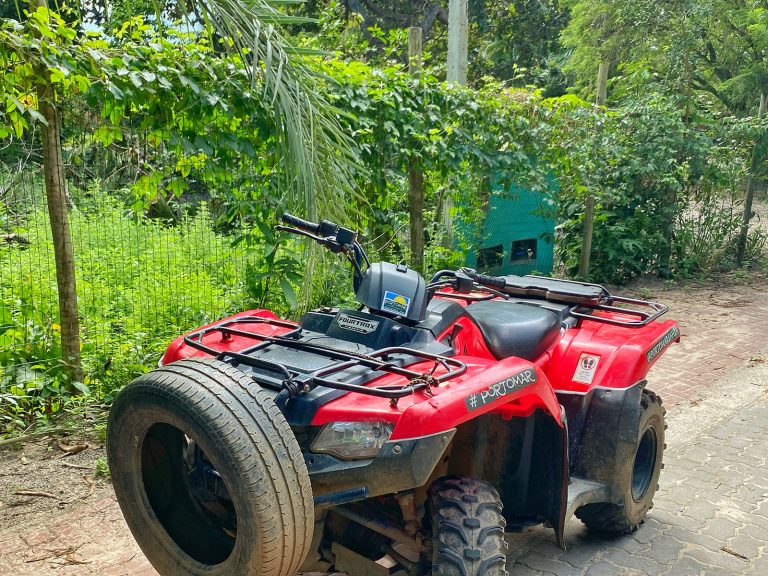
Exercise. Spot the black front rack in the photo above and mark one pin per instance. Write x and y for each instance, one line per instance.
(297, 382)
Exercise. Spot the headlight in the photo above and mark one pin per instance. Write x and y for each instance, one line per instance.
(352, 440)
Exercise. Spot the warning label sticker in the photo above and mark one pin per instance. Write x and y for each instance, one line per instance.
(586, 368)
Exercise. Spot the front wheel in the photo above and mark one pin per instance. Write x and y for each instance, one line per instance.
(640, 487)
(467, 528)
(208, 474)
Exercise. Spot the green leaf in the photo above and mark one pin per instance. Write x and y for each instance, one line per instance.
(82, 388)
(288, 291)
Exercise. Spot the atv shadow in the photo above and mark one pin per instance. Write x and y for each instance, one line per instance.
(535, 548)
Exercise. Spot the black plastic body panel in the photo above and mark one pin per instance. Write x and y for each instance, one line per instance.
(401, 465)
(603, 426)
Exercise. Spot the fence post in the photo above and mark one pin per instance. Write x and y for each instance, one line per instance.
(458, 25)
(415, 170)
(602, 84)
(753, 166)
(589, 207)
(58, 214)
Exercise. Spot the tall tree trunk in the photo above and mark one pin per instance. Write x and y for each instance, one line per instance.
(56, 196)
(601, 97)
(741, 245)
(415, 170)
(416, 209)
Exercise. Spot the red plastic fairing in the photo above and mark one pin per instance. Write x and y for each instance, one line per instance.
(622, 355)
(179, 350)
(505, 387)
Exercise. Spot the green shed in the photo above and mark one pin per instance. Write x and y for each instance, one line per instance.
(517, 235)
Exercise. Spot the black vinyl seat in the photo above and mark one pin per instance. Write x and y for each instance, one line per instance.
(513, 329)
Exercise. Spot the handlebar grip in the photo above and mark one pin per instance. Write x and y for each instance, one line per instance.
(490, 281)
(297, 222)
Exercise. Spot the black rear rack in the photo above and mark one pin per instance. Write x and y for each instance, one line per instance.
(583, 297)
(585, 312)
(296, 382)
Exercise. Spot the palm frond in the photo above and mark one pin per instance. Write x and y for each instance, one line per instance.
(320, 159)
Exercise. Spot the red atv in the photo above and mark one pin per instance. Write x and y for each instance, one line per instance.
(406, 435)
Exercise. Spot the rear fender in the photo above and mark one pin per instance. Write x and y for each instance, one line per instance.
(598, 354)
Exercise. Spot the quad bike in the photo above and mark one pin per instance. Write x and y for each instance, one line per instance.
(405, 435)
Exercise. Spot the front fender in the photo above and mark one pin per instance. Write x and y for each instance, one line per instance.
(510, 387)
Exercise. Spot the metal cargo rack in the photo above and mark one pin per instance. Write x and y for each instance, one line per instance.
(297, 382)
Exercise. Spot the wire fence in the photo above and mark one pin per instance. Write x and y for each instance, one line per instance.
(142, 278)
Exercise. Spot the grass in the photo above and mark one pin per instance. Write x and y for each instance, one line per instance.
(140, 281)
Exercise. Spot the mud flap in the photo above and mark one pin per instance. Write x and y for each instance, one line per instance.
(529, 466)
(606, 449)
(562, 517)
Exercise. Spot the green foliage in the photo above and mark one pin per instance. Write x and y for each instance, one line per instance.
(464, 140)
(709, 52)
(101, 468)
(190, 97)
(139, 286)
(658, 184)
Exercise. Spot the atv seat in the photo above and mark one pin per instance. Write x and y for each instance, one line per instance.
(513, 329)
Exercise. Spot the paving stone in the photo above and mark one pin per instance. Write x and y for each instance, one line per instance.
(649, 530)
(720, 559)
(689, 537)
(544, 564)
(755, 529)
(721, 528)
(665, 551)
(606, 569)
(520, 570)
(746, 545)
(686, 566)
(668, 519)
(634, 561)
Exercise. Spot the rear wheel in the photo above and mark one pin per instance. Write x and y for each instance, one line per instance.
(641, 485)
(208, 474)
(467, 528)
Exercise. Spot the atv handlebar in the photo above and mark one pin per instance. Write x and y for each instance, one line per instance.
(300, 223)
(335, 238)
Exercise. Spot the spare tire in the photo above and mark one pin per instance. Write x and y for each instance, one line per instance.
(208, 474)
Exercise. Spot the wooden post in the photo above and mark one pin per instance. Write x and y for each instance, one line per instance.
(58, 214)
(415, 170)
(458, 26)
(414, 50)
(602, 84)
(589, 206)
(586, 246)
(741, 246)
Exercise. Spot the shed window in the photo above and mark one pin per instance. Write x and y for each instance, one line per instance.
(522, 250)
(492, 257)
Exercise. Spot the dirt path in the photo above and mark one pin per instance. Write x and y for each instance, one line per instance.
(78, 529)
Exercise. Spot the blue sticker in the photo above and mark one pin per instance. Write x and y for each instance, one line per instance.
(395, 303)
